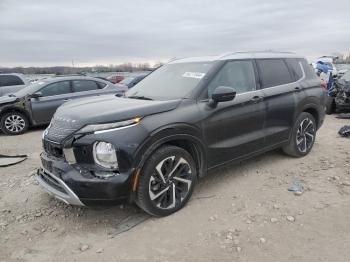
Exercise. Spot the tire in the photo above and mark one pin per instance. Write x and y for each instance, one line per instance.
(156, 189)
(14, 123)
(302, 137)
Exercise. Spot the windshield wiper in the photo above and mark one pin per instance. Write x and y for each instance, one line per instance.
(140, 97)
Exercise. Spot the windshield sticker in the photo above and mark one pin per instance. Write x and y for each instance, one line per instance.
(198, 75)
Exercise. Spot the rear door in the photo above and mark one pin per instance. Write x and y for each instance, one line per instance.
(53, 95)
(234, 129)
(10, 84)
(281, 91)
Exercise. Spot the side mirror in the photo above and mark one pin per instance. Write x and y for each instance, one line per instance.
(36, 95)
(223, 94)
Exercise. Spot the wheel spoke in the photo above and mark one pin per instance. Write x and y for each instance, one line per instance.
(159, 168)
(155, 196)
(182, 180)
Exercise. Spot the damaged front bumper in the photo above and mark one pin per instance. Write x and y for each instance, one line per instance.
(76, 186)
(57, 188)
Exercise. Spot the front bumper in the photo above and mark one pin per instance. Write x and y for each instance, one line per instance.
(76, 186)
(57, 188)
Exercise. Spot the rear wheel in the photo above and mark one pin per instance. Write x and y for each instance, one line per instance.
(303, 136)
(167, 181)
(14, 123)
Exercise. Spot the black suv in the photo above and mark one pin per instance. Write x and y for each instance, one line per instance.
(187, 117)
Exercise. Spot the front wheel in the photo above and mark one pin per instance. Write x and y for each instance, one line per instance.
(302, 137)
(14, 123)
(166, 182)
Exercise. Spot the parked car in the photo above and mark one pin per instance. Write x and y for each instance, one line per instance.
(187, 117)
(342, 98)
(115, 79)
(11, 83)
(35, 104)
(130, 82)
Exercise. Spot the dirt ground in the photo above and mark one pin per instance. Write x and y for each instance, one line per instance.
(243, 212)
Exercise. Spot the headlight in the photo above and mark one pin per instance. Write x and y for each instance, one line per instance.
(100, 128)
(105, 155)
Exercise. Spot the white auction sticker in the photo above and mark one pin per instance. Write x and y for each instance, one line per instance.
(198, 75)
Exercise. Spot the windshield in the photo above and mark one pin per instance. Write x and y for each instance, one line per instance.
(30, 89)
(171, 81)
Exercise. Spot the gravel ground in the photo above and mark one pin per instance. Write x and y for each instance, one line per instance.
(239, 213)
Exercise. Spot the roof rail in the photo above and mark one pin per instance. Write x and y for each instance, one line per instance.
(261, 51)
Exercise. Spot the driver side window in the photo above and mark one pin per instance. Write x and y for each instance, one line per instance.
(236, 74)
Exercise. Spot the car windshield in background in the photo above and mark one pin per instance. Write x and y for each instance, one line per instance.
(127, 80)
(171, 81)
(30, 89)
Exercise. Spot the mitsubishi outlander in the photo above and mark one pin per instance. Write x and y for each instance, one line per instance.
(187, 117)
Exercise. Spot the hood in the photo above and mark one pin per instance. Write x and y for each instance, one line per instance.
(109, 108)
(7, 99)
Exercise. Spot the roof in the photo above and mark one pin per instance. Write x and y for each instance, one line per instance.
(238, 55)
(62, 78)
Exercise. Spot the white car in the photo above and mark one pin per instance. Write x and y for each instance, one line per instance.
(11, 83)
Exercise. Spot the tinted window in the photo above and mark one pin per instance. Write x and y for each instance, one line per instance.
(58, 88)
(273, 72)
(10, 80)
(101, 85)
(295, 68)
(84, 85)
(236, 74)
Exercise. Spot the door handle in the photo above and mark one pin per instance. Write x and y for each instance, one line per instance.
(297, 89)
(66, 100)
(257, 99)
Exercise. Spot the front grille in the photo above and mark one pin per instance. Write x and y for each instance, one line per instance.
(52, 182)
(53, 149)
(60, 128)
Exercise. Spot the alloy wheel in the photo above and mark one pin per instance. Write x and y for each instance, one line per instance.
(170, 182)
(15, 123)
(305, 135)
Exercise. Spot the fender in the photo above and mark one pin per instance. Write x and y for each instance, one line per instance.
(171, 133)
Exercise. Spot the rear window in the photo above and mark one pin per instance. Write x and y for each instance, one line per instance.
(10, 80)
(273, 72)
(309, 70)
(295, 68)
(84, 85)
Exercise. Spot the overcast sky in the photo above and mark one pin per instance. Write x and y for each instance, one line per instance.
(55, 32)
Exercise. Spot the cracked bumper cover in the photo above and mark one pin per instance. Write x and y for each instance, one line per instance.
(75, 186)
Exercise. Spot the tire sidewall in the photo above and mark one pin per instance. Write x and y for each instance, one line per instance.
(143, 186)
(9, 132)
(301, 117)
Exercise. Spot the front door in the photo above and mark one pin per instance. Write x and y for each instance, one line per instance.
(53, 95)
(234, 129)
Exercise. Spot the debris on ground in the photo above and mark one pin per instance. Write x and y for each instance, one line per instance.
(297, 188)
(344, 131)
(6, 160)
(129, 222)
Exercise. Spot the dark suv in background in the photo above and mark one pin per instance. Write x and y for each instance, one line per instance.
(189, 116)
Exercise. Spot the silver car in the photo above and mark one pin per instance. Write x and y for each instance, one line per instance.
(35, 104)
(11, 83)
